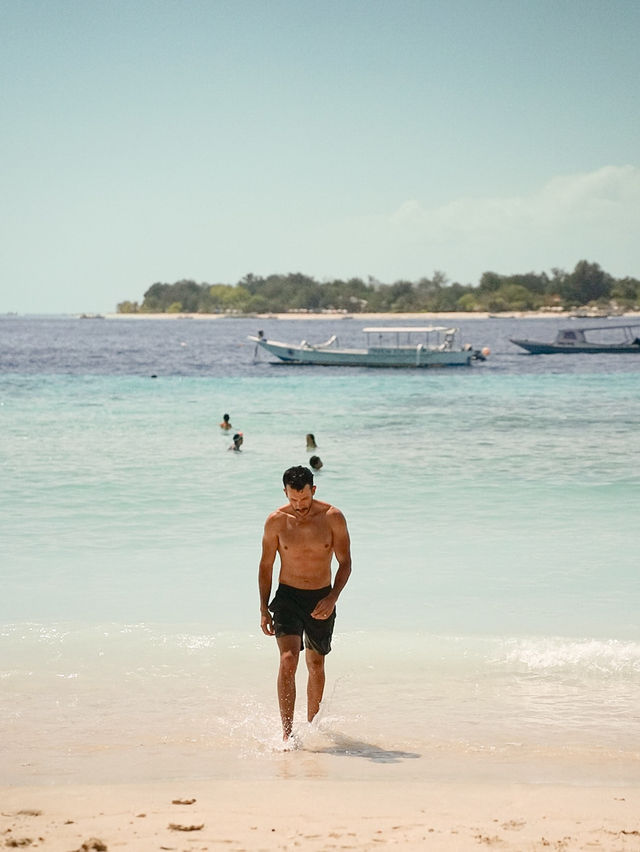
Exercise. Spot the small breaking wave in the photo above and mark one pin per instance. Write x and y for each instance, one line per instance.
(610, 657)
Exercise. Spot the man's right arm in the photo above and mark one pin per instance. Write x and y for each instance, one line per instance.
(265, 573)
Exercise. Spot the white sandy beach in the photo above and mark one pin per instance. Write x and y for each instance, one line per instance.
(290, 813)
(361, 317)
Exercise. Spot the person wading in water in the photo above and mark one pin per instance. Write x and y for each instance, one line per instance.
(306, 533)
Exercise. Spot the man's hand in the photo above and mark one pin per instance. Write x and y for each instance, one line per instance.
(324, 608)
(266, 623)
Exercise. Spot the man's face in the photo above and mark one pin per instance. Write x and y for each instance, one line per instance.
(300, 501)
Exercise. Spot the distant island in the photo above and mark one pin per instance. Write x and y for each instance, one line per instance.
(587, 288)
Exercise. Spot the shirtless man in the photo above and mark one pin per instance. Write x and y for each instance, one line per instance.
(306, 533)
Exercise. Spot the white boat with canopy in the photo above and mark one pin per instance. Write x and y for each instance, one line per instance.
(402, 346)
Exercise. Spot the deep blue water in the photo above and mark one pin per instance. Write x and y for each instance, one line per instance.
(218, 347)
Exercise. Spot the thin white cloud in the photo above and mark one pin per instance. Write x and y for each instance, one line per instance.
(594, 215)
(607, 197)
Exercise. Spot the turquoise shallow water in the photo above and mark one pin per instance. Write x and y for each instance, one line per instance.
(493, 605)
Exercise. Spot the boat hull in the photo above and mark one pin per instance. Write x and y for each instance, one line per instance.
(407, 357)
(538, 348)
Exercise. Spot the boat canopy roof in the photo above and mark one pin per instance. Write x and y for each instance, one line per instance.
(584, 334)
(583, 328)
(406, 329)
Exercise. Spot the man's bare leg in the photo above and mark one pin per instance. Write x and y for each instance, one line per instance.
(315, 684)
(289, 647)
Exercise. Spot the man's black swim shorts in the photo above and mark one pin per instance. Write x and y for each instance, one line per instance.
(292, 610)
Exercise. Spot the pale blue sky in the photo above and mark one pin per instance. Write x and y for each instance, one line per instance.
(147, 140)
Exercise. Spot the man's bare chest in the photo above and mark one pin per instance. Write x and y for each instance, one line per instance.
(312, 536)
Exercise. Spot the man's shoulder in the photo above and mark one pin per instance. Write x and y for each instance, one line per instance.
(327, 509)
(278, 515)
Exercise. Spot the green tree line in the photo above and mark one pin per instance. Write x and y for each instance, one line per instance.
(586, 286)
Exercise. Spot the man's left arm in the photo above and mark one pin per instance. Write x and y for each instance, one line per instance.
(342, 551)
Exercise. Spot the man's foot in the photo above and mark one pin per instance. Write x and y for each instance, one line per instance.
(291, 743)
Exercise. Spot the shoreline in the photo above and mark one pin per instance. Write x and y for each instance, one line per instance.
(368, 317)
(320, 814)
(372, 317)
(385, 316)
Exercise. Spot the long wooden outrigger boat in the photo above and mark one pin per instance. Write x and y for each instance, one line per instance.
(428, 346)
(571, 340)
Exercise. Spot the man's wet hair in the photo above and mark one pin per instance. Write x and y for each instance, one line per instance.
(297, 478)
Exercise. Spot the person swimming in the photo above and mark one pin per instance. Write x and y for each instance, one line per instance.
(238, 441)
(315, 462)
(311, 442)
(225, 423)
